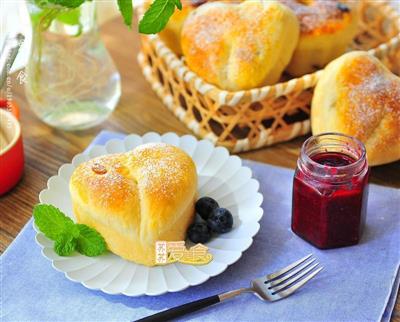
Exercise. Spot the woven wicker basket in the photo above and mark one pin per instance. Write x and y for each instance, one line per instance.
(246, 120)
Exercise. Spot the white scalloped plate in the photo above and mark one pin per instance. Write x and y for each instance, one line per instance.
(221, 176)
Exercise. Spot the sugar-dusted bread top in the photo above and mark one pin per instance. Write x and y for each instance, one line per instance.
(357, 95)
(319, 17)
(139, 196)
(239, 46)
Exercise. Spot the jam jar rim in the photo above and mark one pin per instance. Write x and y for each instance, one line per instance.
(353, 169)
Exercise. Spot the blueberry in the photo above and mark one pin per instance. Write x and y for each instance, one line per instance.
(220, 220)
(197, 3)
(205, 205)
(199, 233)
(342, 7)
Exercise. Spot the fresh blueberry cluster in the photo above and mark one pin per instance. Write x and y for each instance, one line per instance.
(215, 220)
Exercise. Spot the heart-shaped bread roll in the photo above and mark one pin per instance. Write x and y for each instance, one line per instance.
(240, 46)
(136, 198)
(357, 95)
(171, 34)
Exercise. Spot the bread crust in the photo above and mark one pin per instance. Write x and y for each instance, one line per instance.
(136, 198)
(357, 95)
(239, 46)
(171, 34)
(325, 33)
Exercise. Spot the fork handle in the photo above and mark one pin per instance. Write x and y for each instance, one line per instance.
(193, 306)
(181, 310)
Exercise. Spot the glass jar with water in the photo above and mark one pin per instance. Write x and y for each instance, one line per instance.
(72, 82)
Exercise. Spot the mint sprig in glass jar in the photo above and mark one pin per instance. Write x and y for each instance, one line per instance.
(72, 82)
(330, 191)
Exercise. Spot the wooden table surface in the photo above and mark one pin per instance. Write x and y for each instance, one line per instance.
(138, 111)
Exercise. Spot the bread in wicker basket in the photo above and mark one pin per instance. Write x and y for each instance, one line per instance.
(251, 119)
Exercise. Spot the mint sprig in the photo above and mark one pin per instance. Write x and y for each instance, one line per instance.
(157, 16)
(65, 244)
(126, 9)
(89, 241)
(153, 21)
(44, 4)
(68, 3)
(52, 222)
(67, 235)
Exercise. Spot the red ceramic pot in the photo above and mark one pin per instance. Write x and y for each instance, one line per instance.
(11, 148)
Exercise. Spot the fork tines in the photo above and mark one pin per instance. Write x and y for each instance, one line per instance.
(287, 280)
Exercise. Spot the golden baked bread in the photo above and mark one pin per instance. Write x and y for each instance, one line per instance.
(171, 34)
(327, 27)
(239, 46)
(136, 198)
(357, 95)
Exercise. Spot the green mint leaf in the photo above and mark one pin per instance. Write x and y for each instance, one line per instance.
(42, 3)
(67, 235)
(126, 9)
(90, 242)
(52, 222)
(67, 3)
(65, 244)
(157, 16)
(70, 17)
(178, 4)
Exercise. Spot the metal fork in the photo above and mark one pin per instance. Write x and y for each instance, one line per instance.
(273, 287)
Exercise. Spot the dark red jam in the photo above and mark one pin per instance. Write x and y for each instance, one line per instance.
(330, 192)
(333, 159)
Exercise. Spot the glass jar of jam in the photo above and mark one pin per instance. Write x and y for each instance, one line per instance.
(330, 191)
